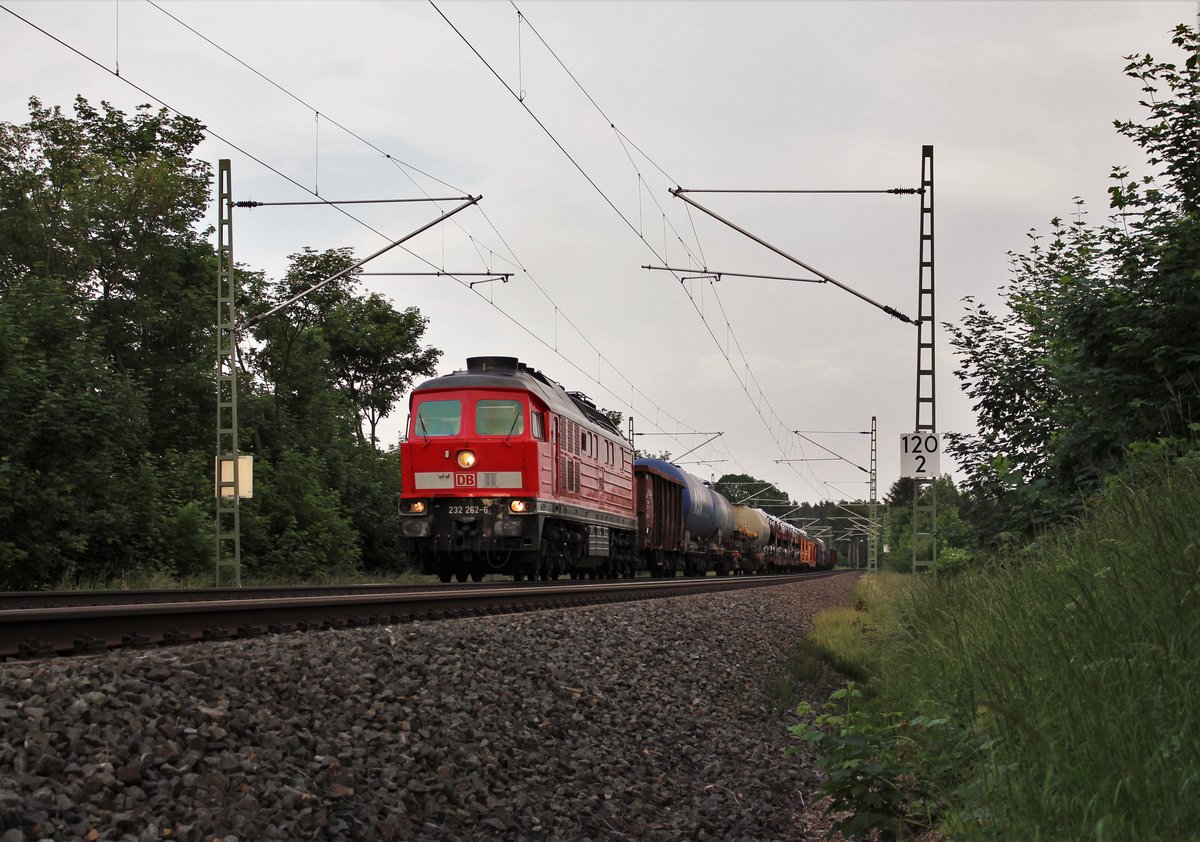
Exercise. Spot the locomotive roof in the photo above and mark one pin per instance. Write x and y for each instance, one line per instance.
(509, 373)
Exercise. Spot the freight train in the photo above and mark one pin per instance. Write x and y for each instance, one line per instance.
(504, 471)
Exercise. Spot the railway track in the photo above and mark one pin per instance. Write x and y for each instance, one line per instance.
(43, 625)
(58, 599)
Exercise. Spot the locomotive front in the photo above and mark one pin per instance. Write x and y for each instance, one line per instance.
(472, 466)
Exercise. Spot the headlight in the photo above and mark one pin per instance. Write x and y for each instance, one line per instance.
(466, 458)
(412, 507)
(415, 528)
(508, 528)
(520, 507)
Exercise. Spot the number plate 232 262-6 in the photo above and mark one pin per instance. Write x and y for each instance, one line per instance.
(464, 510)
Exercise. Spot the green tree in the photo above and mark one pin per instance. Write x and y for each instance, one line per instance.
(755, 492)
(953, 533)
(295, 526)
(292, 358)
(75, 429)
(109, 203)
(106, 358)
(105, 344)
(1096, 349)
(375, 351)
(323, 366)
(614, 416)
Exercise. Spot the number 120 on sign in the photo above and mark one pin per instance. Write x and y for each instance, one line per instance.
(920, 455)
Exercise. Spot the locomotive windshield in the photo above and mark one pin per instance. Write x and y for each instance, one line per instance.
(438, 418)
(499, 418)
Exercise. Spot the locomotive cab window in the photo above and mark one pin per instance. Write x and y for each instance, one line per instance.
(438, 418)
(499, 418)
(537, 426)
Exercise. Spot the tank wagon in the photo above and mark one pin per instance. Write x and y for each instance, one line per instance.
(753, 539)
(504, 471)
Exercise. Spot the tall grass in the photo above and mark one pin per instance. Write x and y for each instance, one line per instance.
(1075, 675)
(845, 642)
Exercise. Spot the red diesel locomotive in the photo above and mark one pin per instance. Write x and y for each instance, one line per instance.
(503, 471)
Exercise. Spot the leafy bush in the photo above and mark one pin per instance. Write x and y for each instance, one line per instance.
(885, 773)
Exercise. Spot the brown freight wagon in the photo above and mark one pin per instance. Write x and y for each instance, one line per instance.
(660, 520)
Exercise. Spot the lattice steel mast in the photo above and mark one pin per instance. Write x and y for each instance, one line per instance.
(924, 521)
(229, 523)
(873, 513)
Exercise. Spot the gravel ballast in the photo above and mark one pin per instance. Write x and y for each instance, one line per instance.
(645, 720)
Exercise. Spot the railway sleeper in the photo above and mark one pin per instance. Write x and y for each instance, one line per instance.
(83, 645)
(137, 640)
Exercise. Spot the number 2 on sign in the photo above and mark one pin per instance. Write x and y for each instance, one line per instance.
(919, 454)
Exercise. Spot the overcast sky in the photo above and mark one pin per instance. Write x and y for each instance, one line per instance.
(1017, 99)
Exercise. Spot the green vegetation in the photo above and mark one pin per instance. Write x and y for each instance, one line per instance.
(1096, 348)
(1045, 683)
(107, 353)
(846, 642)
(1054, 698)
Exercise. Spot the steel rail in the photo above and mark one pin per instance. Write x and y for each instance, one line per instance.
(60, 599)
(42, 632)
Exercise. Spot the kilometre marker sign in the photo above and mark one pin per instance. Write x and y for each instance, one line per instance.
(920, 455)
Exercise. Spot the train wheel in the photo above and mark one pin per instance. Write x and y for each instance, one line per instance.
(477, 576)
(461, 575)
(444, 576)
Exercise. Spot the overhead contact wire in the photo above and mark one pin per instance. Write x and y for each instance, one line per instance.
(625, 219)
(623, 138)
(285, 91)
(405, 167)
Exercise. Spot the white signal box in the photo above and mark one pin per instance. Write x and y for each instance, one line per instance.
(920, 455)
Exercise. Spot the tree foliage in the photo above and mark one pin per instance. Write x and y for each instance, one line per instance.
(326, 365)
(1096, 348)
(106, 371)
(104, 346)
(375, 352)
(953, 532)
